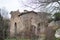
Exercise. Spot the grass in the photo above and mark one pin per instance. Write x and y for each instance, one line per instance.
(57, 39)
(17, 39)
(23, 39)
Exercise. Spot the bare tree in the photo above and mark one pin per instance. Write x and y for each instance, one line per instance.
(37, 2)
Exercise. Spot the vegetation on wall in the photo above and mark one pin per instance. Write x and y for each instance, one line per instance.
(57, 16)
(3, 28)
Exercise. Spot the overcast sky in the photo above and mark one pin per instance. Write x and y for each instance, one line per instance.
(9, 4)
(13, 5)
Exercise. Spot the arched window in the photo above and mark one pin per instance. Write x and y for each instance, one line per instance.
(15, 29)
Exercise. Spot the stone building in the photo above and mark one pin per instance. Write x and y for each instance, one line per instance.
(28, 23)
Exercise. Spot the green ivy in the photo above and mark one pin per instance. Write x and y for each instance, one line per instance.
(57, 16)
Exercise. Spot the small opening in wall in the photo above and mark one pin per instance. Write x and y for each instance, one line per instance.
(15, 29)
(15, 24)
